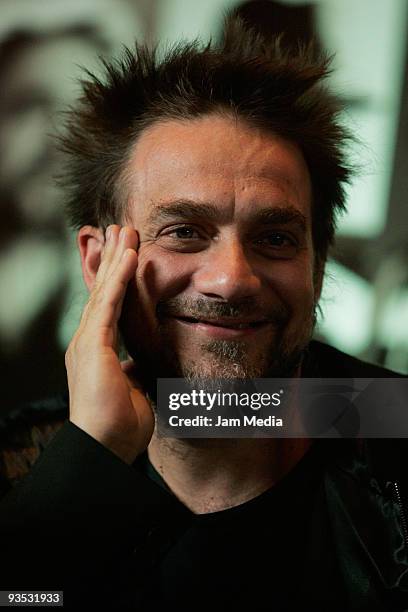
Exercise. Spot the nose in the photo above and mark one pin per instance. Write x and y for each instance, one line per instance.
(227, 273)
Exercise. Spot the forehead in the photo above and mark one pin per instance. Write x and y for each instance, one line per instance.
(215, 159)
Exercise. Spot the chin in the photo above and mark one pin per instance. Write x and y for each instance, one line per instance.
(278, 357)
(235, 360)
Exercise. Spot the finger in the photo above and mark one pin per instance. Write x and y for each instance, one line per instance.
(113, 272)
(108, 302)
(108, 253)
(128, 239)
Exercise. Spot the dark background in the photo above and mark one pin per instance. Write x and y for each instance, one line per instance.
(42, 45)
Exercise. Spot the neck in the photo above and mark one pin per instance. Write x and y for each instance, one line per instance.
(209, 475)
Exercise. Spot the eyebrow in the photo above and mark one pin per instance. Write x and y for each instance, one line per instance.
(189, 209)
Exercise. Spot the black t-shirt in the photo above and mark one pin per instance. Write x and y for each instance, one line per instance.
(258, 555)
(112, 538)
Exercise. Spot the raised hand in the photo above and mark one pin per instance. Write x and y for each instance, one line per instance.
(104, 401)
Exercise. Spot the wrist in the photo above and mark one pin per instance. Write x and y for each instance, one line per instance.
(126, 450)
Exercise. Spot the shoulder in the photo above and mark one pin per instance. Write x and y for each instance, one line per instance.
(322, 360)
(24, 433)
(384, 456)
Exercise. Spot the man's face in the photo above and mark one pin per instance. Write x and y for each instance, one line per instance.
(225, 285)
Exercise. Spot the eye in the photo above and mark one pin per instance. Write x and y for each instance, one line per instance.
(183, 238)
(274, 239)
(184, 232)
(277, 244)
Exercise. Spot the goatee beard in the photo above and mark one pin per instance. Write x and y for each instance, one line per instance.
(221, 359)
(232, 361)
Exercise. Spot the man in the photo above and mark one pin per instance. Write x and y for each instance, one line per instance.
(205, 188)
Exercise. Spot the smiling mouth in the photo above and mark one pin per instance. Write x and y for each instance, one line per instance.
(223, 323)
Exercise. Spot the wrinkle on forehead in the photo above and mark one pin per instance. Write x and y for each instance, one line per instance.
(213, 153)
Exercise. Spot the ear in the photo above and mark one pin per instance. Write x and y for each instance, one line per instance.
(90, 241)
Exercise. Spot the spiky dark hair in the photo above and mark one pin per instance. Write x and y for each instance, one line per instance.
(278, 90)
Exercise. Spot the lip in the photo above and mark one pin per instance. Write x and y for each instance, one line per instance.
(218, 328)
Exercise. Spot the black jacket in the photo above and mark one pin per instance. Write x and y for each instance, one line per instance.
(79, 518)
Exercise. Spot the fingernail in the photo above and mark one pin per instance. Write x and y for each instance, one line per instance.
(108, 232)
(122, 233)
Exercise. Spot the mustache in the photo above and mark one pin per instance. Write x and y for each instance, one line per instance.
(200, 308)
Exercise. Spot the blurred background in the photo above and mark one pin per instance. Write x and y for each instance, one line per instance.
(44, 43)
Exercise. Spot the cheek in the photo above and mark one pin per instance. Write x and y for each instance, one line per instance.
(162, 274)
(293, 285)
